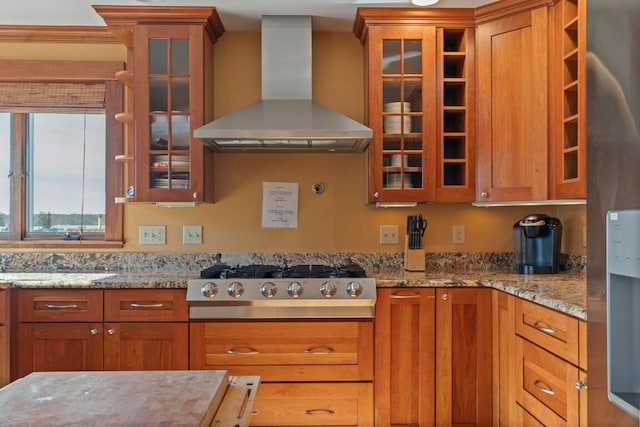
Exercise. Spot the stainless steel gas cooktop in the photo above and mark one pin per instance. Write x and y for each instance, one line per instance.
(274, 292)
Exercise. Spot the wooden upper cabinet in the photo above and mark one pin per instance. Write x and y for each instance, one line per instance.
(420, 75)
(512, 56)
(569, 100)
(170, 94)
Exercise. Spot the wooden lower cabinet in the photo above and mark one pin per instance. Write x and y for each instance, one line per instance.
(463, 357)
(504, 362)
(404, 357)
(146, 346)
(5, 340)
(313, 404)
(433, 357)
(311, 372)
(550, 355)
(65, 330)
(59, 347)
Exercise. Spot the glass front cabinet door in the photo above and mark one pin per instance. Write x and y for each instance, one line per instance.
(170, 164)
(419, 79)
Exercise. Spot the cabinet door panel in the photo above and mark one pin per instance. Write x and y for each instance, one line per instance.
(512, 106)
(463, 357)
(59, 347)
(146, 346)
(405, 356)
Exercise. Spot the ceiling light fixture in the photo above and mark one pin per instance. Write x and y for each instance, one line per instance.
(423, 2)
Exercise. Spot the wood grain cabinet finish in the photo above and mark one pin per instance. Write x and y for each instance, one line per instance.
(512, 104)
(317, 404)
(463, 357)
(550, 365)
(169, 63)
(420, 97)
(298, 362)
(146, 329)
(404, 357)
(569, 99)
(5, 340)
(433, 357)
(78, 330)
(503, 319)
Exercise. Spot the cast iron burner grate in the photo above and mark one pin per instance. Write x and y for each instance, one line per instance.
(259, 271)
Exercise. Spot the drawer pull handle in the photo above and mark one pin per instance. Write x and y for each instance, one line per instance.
(400, 296)
(541, 326)
(581, 385)
(94, 331)
(247, 350)
(111, 331)
(320, 350)
(138, 305)
(317, 412)
(60, 306)
(544, 388)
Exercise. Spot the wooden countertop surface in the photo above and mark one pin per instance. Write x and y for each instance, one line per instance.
(134, 398)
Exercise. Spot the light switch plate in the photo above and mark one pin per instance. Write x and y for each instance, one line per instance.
(152, 234)
(192, 234)
(389, 235)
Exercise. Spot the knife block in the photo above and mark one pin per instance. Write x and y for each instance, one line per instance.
(413, 258)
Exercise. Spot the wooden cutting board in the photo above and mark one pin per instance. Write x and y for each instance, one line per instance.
(132, 398)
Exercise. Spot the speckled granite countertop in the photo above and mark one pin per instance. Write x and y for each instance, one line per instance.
(563, 292)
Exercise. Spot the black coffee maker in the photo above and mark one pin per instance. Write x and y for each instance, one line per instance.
(537, 239)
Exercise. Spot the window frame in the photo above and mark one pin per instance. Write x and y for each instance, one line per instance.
(77, 72)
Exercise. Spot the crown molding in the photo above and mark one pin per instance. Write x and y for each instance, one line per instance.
(56, 34)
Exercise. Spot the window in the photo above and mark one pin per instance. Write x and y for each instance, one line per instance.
(66, 194)
(5, 171)
(57, 145)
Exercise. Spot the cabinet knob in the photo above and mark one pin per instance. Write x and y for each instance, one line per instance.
(111, 331)
(376, 195)
(444, 296)
(93, 331)
(195, 195)
(580, 385)
(484, 194)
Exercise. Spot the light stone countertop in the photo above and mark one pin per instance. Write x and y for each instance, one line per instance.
(563, 292)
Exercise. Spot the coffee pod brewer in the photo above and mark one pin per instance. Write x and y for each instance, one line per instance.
(537, 239)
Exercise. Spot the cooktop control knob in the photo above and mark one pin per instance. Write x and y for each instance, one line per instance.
(354, 289)
(268, 289)
(235, 289)
(209, 289)
(328, 289)
(295, 289)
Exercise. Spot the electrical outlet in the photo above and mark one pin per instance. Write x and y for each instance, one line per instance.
(389, 235)
(192, 234)
(458, 234)
(152, 234)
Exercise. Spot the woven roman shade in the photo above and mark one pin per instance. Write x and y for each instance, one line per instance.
(52, 97)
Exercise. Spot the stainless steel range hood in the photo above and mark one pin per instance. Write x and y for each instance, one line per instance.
(286, 119)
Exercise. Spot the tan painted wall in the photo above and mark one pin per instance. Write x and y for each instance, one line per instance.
(339, 219)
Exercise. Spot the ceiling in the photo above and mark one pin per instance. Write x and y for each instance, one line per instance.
(236, 15)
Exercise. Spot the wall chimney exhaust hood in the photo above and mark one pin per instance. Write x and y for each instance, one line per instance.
(286, 119)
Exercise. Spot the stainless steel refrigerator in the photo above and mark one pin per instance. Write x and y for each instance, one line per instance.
(613, 237)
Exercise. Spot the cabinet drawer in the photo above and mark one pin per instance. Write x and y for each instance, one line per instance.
(285, 351)
(313, 404)
(550, 329)
(546, 387)
(60, 305)
(145, 305)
